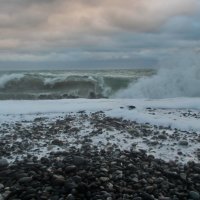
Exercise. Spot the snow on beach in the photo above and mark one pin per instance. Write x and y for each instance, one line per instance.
(166, 128)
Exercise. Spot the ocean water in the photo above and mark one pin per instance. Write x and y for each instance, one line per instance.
(24, 85)
(133, 83)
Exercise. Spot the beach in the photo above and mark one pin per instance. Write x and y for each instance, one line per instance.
(99, 100)
(127, 148)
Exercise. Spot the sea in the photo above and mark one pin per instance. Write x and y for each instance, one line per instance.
(166, 82)
(65, 84)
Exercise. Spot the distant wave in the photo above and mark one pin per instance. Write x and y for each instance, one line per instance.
(168, 82)
(58, 85)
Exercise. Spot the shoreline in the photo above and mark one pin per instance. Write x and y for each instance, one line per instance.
(41, 134)
(100, 152)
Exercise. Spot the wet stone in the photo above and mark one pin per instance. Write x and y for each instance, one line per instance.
(131, 107)
(183, 143)
(3, 163)
(57, 142)
(78, 161)
(58, 180)
(70, 197)
(162, 137)
(70, 168)
(25, 180)
(1, 197)
(194, 195)
(1, 186)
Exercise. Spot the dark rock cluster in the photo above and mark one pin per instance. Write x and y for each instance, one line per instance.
(88, 173)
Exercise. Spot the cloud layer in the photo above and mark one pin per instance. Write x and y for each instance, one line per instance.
(33, 30)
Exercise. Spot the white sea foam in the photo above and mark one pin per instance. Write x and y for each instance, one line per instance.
(169, 112)
(168, 82)
(112, 108)
(4, 79)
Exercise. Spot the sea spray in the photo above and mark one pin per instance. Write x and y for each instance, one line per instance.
(168, 82)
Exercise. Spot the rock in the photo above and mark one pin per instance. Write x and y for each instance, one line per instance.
(82, 187)
(105, 194)
(57, 142)
(197, 169)
(110, 186)
(135, 180)
(70, 185)
(70, 168)
(131, 107)
(78, 160)
(194, 195)
(104, 170)
(6, 194)
(70, 197)
(137, 198)
(58, 179)
(25, 180)
(1, 186)
(48, 189)
(147, 196)
(183, 176)
(3, 163)
(104, 179)
(162, 137)
(183, 143)
(1, 197)
(77, 179)
(149, 189)
(55, 197)
(44, 160)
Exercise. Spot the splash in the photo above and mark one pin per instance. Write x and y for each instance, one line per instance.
(167, 83)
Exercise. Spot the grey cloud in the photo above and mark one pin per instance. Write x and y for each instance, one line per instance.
(101, 31)
(186, 28)
(57, 20)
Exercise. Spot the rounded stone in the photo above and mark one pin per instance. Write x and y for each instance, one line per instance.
(70, 168)
(194, 195)
(25, 180)
(3, 163)
(183, 143)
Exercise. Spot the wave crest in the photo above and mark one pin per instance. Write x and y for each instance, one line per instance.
(6, 78)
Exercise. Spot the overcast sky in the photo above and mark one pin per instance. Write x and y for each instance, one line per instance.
(97, 34)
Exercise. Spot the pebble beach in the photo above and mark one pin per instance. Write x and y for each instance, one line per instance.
(93, 154)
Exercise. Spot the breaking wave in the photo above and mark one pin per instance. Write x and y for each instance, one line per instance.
(167, 83)
(58, 85)
(6, 78)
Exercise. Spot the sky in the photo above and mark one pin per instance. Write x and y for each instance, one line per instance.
(96, 34)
